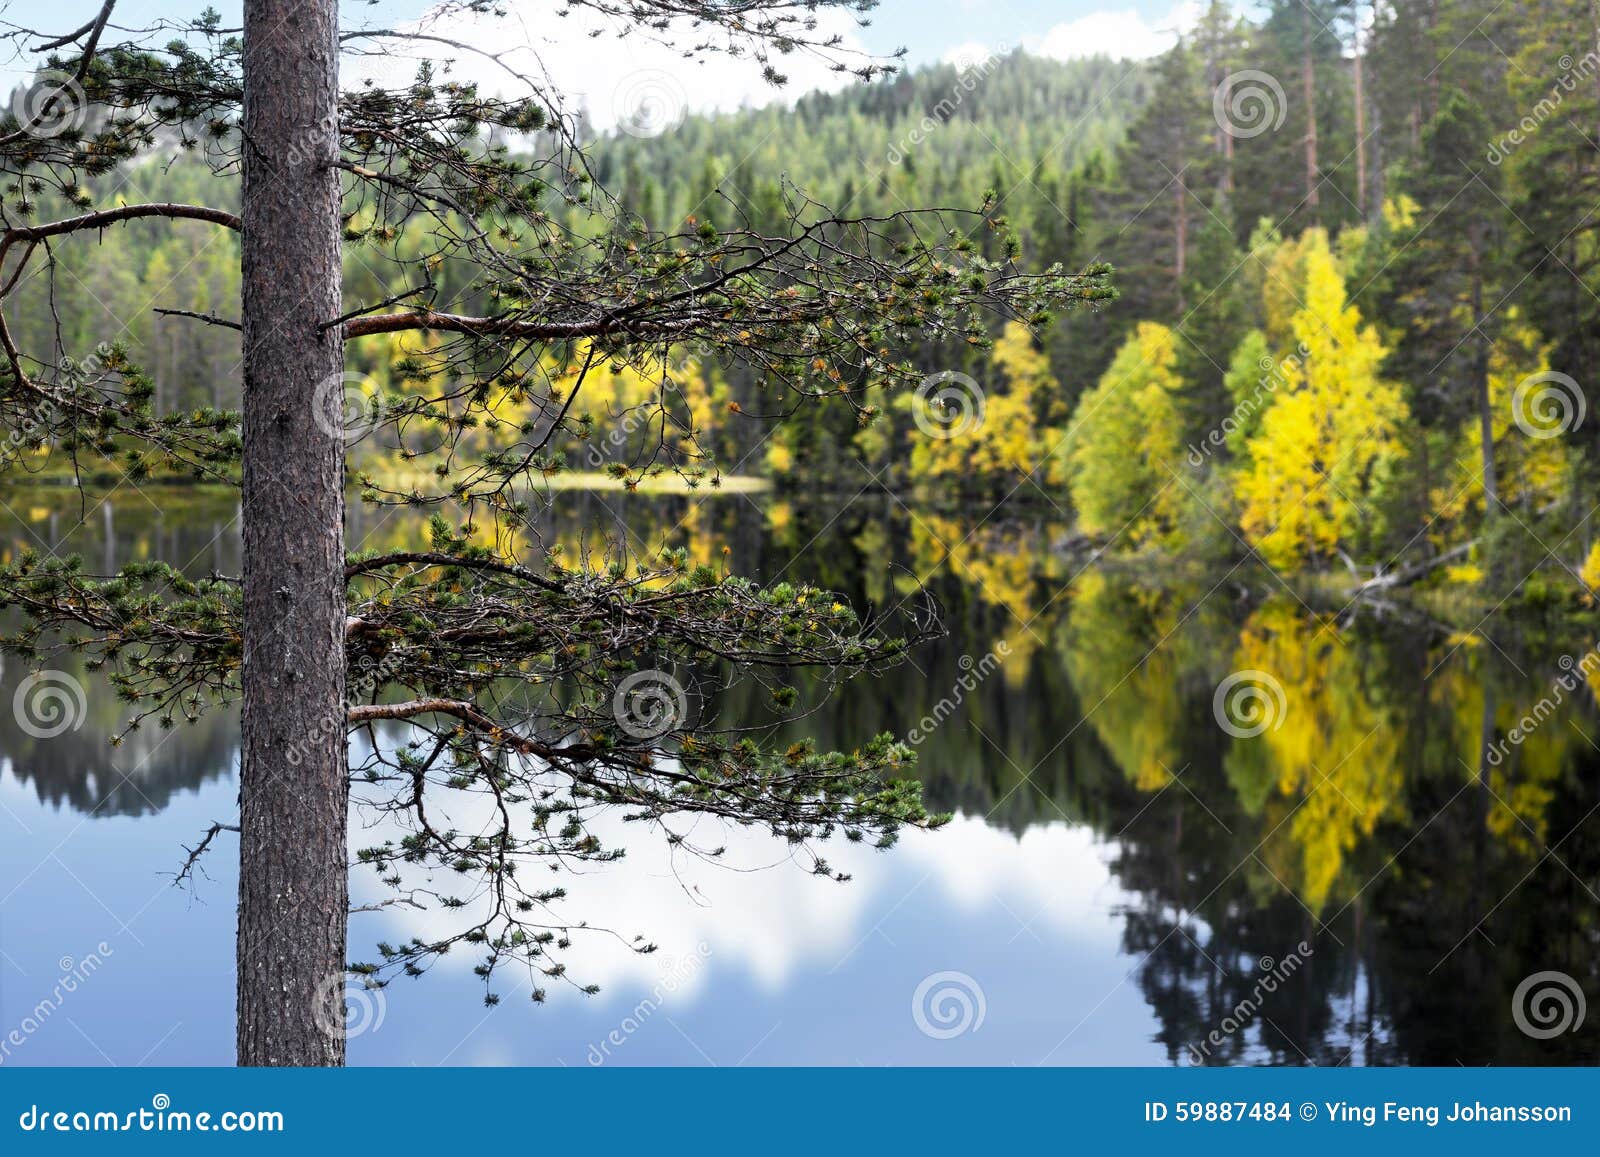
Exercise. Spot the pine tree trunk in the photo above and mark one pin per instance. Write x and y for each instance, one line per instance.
(1181, 242)
(1480, 388)
(1308, 75)
(1361, 121)
(293, 866)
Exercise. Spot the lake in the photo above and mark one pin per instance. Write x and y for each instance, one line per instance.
(1197, 821)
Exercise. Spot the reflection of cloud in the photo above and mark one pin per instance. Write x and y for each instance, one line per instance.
(582, 57)
(776, 921)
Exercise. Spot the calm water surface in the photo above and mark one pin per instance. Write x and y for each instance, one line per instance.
(1126, 881)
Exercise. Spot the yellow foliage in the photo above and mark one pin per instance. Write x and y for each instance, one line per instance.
(1008, 441)
(1332, 750)
(1529, 471)
(1590, 574)
(1331, 438)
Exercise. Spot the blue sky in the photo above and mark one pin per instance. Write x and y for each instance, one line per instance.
(928, 28)
(601, 73)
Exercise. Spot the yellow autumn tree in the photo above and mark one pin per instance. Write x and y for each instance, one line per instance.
(630, 410)
(1125, 446)
(1002, 438)
(1531, 472)
(1331, 439)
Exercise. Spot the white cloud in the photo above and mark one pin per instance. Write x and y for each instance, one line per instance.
(1124, 34)
(584, 58)
(968, 54)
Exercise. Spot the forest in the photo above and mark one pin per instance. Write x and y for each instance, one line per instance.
(1149, 496)
(1355, 295)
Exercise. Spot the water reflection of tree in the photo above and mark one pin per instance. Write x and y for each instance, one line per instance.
(78, 768)
(1428, 879)
(1368, 822)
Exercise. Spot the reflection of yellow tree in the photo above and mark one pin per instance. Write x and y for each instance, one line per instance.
(1127, 676)
(1331, 755)
(1003, 565)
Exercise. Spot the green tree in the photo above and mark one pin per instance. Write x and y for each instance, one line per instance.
(1123, 447)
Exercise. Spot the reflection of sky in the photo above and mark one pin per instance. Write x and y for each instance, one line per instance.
(797, 969)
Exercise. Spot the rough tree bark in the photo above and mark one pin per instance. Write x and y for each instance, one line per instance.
(293, 869)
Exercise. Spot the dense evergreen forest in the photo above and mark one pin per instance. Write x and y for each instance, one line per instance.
(1354, 249)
